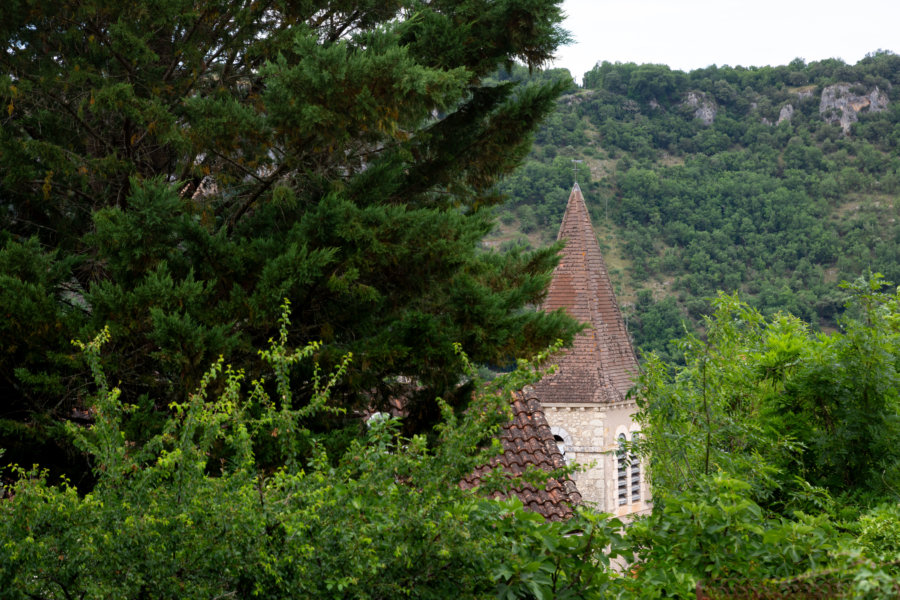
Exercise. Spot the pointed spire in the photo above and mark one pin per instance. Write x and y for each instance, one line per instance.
(600, 364)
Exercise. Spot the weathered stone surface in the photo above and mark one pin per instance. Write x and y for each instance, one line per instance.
(577, 97)
(705, 108)
(839, 105)
(595, 449)
(805, 92)
(787, 111)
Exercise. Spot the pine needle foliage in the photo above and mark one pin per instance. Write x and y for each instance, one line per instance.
(174, 169)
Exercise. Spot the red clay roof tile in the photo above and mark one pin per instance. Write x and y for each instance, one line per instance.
(527, 440)
(601, 362)
(596, 369)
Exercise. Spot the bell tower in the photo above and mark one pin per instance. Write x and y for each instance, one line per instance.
(585, 401)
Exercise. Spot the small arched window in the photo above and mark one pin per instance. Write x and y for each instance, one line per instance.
(564, 443)
(635, 470)
(561, 444)
(622, 459)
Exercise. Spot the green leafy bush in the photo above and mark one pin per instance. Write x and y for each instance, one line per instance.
(192, 513)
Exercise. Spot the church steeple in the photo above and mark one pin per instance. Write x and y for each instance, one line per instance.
(599, 366)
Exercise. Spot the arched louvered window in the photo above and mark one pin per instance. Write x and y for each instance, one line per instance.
(622, 455)
(635, 471)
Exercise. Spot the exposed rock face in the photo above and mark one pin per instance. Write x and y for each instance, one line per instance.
(631, 106)
(839, 105)
(787, 111)
(805, 92)
(704, 107)
(578, 97)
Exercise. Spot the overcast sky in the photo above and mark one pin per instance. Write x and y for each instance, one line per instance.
(691, 34)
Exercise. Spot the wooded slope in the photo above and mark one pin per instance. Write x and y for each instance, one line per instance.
(777, 182)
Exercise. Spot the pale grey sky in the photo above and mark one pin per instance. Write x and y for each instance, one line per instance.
(691, 34)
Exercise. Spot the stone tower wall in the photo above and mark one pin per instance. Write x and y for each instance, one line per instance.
(590, 434)
(585, 402)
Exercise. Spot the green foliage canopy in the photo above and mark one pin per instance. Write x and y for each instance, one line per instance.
(385, 519)
(773, 454)
(778, 209)
(768, 401)
(173, 170)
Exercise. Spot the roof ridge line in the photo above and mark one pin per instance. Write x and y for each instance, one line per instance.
(599, 365)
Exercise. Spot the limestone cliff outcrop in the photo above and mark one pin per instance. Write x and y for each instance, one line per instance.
(840, 105)
(705, 108)
(787, 111)
(805, 91)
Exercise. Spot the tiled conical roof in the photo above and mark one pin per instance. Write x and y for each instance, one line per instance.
(599, 366)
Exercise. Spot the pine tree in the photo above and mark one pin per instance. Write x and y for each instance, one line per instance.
(175, 169)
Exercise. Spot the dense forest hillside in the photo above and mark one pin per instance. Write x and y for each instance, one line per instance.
(777, 182)
(246, 294)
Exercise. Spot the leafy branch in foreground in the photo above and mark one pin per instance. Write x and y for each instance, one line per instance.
(192, 513)
(769, 447)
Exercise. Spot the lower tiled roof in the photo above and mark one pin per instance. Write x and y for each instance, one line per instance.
(527, 441)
